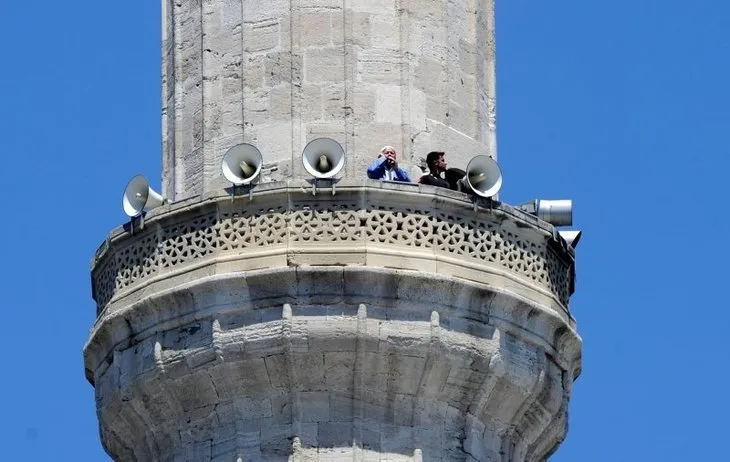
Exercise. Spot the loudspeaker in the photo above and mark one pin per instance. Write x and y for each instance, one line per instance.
(483, 176)
(555, 212)
(242, 164)
(140, 197)
(323, 158)
(571, 237)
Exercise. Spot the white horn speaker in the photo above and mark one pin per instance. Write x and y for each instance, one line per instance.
(323, 157)
(571, 237)
(242, 164)
(483, 176)
(555, 212)
(140, 197)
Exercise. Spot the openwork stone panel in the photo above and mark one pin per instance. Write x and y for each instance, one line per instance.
(326, 223)
(255, 228)
(464, 236)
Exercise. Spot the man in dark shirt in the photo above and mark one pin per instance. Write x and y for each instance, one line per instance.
(436, 166)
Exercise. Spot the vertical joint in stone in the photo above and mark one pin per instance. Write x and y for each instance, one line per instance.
(434, 351)
(358, 375)
(296, 414)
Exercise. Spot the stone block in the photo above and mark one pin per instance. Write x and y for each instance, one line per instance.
(309, 371)
(253, 71)
(339, 369)
(256, 11)
(246, 376)
(334, 336)
(278, 373)
(335, 434)
(256, 407)
(333, 101)
(261, 35)
(320, 4)
(281, 407)
(316, 27)
(280, 67)
(384, 31)
(276, 439)
(388, 104)
(195, 391)
(364, 105)
(361, 33)
(315, 406)
(324, 65)
(341, 405)
(373, 6)
(280, 103)
(396, 439)
(403, 406)
(404, 373)
(308, 434)
(378, 66)
(310, 99)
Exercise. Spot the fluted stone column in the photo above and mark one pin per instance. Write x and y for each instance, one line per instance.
(417, 74)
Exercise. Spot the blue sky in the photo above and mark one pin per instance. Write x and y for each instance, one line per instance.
(620, 105)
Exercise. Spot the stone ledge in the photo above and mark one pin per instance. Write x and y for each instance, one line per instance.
(255, 298)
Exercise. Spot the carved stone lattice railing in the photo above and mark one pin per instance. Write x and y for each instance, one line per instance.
(373, 224)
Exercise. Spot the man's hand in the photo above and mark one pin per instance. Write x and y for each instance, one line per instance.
(390, 159)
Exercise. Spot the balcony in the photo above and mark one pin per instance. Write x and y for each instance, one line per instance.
(402, 227)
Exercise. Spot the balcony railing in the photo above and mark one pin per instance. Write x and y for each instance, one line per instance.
(379, 224)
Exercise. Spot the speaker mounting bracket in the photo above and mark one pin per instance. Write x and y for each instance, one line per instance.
(332, 183)
(245, 187)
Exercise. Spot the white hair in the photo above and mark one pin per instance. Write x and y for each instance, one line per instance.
(386, 148)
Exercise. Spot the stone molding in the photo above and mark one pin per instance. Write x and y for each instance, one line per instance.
(192, 369)
(370, 224)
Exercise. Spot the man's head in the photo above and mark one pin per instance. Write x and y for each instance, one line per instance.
(389, 153)
(435, 161)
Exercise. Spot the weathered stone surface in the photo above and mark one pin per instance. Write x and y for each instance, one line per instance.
(429, 65)
(360, 320)
(219, 346)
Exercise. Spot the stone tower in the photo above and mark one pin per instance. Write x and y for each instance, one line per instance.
(387, 321)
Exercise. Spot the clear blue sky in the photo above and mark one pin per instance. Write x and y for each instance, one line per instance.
(622, 105)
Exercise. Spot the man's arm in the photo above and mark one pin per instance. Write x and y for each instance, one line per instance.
(433, 181)
(402, 175)
(376, 170)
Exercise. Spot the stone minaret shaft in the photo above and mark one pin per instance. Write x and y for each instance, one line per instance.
(416, 74)
(388, 321)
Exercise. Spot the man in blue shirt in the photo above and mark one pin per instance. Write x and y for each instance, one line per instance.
(386, 167)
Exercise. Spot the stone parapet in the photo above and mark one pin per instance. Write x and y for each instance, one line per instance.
(374, 224)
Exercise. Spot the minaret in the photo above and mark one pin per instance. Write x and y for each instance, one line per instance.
(371, 321)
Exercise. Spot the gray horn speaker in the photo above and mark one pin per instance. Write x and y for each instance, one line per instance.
(483, 176)
(242, 164)
(140, 197)
(323, 158)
